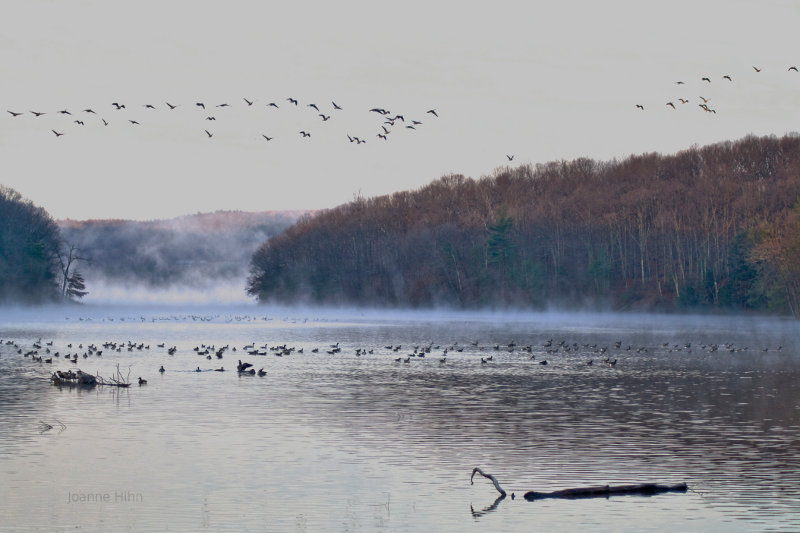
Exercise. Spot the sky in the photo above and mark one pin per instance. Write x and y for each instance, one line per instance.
(539, 81)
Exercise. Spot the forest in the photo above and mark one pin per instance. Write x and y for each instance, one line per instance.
(712, 228)
(35, 262)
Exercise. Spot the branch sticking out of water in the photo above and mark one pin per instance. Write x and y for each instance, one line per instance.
(489, 476)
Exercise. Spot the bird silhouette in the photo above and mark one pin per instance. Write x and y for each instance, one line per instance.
(727, 77)
(133, 122)
(272, 104)
(104, 122)
(304, 134)
(200, 104)
(57, 134)
(211, 118)
(267, 138)
(80, 122)
(117, 105)
(705, 100)
(382, 136)
(13, 114)
(324, 118)
(679, 83)
(249, 103)
(38, 113)
(410, 127)
(149, 106)
(65, 112)
(209, 134)
(222, 105)
(706, 79)
(170, 105)
(314, 106)
(90, 110)
(334, 105)
(793, 68)
(640, 106)
(757, 69)
(671, 105)
(292, 100)
(417, 122)
(510, 157)
(683, 100)
(432, 112)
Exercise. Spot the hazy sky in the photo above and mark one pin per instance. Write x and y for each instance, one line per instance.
(538, 80)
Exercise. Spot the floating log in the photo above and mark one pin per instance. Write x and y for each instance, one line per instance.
(604, 491)
(488, 476)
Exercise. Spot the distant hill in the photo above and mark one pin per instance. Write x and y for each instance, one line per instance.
(714, 227)
(197, 250)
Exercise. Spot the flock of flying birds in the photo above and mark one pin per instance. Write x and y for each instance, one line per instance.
(389, 121)
(705, 103)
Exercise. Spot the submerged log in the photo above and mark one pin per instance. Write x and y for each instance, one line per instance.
(488, 476)
(604, 491)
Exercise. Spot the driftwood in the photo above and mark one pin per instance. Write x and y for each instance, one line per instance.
(603, 491)
(88, 380)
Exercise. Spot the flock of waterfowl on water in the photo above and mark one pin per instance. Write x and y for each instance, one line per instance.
(561, 352)
(205, 116)
(705, 104)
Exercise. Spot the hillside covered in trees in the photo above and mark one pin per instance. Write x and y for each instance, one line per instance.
(34, 264)
(714, 227)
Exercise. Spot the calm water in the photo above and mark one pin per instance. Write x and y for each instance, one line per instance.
(342, 442)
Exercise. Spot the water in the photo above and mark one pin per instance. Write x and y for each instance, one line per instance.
(342, 442)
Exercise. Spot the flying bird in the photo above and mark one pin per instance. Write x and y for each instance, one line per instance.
(57, 134)
(170, 105)
(90, 110)
(65, 112)
(324, 118)
(149, 106)
(249, 103)
(793, 68)
(671, 105)
(334, 105)
(757, 69)
(200, 104)
(706, 79)
(683, 100)
(211, 118)
(38, 113)
(13, 114)
(292, 100)
(432, 112)
(272, 104)
(267, 138)
(209, 134)
(133, 122)
(678, 83)
(705, 100)
(382, 136)
(118, 106)
(304, 134)
(314, 106)
(222, 105)
(510, 157)
(104, 122)
(415, 122)
(80, 122)
(410, 127)
(640, 106)
(727, 77)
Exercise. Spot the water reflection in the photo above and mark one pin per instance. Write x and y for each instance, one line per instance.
(362, 442)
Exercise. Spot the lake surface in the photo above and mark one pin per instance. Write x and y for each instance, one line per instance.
(348, 442)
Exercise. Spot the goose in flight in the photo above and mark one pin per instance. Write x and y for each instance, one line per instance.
(222, 105)
(63, 112)
(272, 104)
(417, 122)
(432, 112)
(706, 79)
(726, 77)
(13, 114)
(334, 105)
(267, 138)
(211, 118)
(304, 134)
(209, 134)
(133, 122)
(640, 106)
(382, 136)
(170, 105)
(57, 134)
(117, 105)
(314, 106)
(104, 122)
(200, 104)
(683, 100)
(324, 118)
(705, 100)
(79, 122)
(149, 106)
(38, 113)
(671, 105)
(90, 110)
(793, 68)
(510, 157)
(756, 69)
(292, 100)
(249, 103)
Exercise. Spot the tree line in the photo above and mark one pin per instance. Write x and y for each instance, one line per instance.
(36, 264)
(713, 227)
